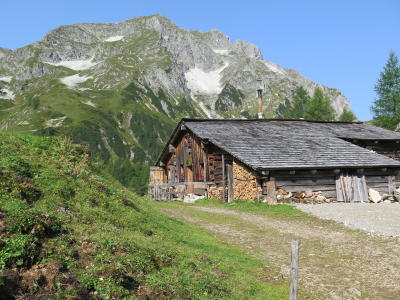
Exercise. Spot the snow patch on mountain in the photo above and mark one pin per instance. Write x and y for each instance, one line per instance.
(114, 38)
(221, 51)
(72, 81)
(6, 94)
(57, 122)
(89, 102)
(77, 65)
(274, 68)
(6, 79)
(199, 81)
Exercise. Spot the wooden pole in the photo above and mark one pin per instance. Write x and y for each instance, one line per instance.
(294, 266)
(229, 171)
(271, 191)
(205, 162)
(223, 177)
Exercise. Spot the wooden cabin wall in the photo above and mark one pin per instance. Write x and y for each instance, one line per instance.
(301, 181)
(186, 161)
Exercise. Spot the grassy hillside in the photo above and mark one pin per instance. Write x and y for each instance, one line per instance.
(69, 231)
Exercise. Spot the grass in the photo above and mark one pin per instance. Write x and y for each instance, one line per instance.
(278, 211)
(58, 208)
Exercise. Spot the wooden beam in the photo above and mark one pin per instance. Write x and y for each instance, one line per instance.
(223, 177)
(271, 191)
(229, 171)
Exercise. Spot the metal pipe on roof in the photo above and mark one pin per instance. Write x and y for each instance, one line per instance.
(260, 98)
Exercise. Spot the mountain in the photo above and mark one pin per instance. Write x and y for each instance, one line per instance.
(121, 87)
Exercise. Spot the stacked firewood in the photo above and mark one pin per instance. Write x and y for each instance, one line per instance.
(244, 184)
(215, 192)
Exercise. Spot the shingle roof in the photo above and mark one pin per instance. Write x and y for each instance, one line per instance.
(287, 144)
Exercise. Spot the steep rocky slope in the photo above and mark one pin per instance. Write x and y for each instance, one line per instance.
(121, 87)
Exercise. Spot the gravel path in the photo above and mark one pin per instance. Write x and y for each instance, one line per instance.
(335, 262)
(382, 218)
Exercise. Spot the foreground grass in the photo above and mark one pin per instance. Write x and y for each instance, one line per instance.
(282, 211)
(67, 230)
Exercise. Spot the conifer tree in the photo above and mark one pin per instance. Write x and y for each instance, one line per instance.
(296, 109)
(319, 107)
(347, 116)
(386, 107)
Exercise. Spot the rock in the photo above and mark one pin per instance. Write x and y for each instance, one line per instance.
(282, 192)
(308, 194)
(192, 198)
(396, 196)
(387, 201)
(320, 198)
(289, 195)
(355, 292)
(374, 196)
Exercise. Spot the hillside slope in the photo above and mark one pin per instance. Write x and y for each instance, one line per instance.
(121, 87)
(68, 232)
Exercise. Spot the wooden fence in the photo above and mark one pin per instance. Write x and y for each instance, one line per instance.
(171, 191)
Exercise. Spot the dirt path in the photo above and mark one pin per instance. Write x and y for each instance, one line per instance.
(335, 262)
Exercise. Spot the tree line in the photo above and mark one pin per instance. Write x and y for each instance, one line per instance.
(385, 109)
(318, 107)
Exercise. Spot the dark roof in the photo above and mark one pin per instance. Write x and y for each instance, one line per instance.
(289, 144)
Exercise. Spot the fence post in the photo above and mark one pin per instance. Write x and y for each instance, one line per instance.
(294, 266)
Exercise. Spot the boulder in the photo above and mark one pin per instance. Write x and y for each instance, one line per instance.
(308, 194)
(320, 198)
(374, 196)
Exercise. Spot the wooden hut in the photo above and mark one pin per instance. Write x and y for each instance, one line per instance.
(266, 159)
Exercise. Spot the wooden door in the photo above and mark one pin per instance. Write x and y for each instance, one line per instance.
(351, 188)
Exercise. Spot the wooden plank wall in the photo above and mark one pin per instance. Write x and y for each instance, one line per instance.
(323, 181)
(187, 161)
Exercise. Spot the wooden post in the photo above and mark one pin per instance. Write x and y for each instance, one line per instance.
(205, 162)
(229, 171)
(223, 177)
(294, 266)
(271, 191)
(392, 184)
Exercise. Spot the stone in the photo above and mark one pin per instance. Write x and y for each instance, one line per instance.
(308, 194)
(320, 198)
(192, 198)
(374, 196)
(387, 201)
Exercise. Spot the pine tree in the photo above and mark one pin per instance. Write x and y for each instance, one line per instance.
(386, 107)
(347, 116)
(296, 109)
(319, 107)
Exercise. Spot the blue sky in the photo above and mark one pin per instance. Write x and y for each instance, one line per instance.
(341, 44)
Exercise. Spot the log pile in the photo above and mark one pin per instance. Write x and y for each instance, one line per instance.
(215, 192)
(244, 184)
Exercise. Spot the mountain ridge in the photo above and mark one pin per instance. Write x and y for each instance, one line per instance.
(121, 87)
